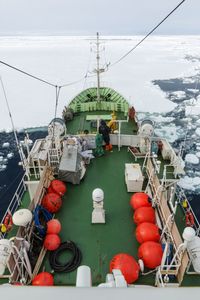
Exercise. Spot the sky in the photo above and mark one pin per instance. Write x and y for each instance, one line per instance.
(86, 17)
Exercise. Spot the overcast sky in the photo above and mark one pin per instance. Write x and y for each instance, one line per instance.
(86, 17)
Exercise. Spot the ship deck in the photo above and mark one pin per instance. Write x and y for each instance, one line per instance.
(81, 122)
(100, 242)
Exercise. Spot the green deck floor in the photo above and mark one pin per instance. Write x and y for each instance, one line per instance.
(99, 242)
(79, 124)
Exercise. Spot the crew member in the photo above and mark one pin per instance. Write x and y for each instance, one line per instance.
(105, 130)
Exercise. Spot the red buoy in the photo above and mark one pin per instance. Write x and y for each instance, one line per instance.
(151, 254)
(128, 266)
(57, 187)
(52, 202)
(43, 279)
(52, 241)
(144, 214)
(139, 200)
(147, 232)
(50, 190)
(53, 226)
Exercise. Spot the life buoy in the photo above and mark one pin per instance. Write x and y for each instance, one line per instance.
(8, 222)
(189, 219)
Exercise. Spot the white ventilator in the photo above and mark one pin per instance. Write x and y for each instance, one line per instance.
(193, 247)
(98, 214)
(5, 250)
(83, 277)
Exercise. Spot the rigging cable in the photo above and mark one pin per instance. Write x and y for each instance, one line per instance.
(88, 67)
(40, 79)
(150, 32)
(13, 127)
(26, 73)
(73, 82)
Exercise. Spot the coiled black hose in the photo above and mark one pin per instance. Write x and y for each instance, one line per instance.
(72, 264)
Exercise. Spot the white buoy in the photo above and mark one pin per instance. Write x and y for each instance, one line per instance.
(22, 217)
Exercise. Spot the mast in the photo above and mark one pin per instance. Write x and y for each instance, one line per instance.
(98, 69)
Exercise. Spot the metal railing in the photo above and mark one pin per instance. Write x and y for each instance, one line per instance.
(180, 194)
(15, 201)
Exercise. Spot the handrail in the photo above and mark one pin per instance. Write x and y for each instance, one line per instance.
(189, 207)
(16, 199)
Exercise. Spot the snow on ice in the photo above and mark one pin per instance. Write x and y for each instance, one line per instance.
(178, 95)
(62, 60)
(192, 159)
(189, 183)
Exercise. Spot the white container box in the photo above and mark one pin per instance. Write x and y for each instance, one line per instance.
(133, 177)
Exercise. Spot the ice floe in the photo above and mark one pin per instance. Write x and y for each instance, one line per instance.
(6, 145)
(159, 59)
(178, 95)
(10, 155)
(192, 110)
(197, 131)
(2, 167)
(189, 183)
(195, 91)
(192, 159)
(168, 132)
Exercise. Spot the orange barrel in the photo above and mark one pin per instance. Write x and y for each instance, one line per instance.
(53, 226)
(147, 232)
(139, 200)
(57, 187)
(43, 279)
(151, 254)
(52, 241)
(52, 202)
(144, 214)
(127, 265)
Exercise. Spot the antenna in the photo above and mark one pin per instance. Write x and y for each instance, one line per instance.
(98, 70)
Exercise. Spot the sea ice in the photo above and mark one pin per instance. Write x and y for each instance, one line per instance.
(189, 183)
(168, 132)
(178, 94)
(195, 91)
(2, 167)
(192, 110)
(61, 59)
(6, 145)
(192, 159)
(197, 131)
(10, 155)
